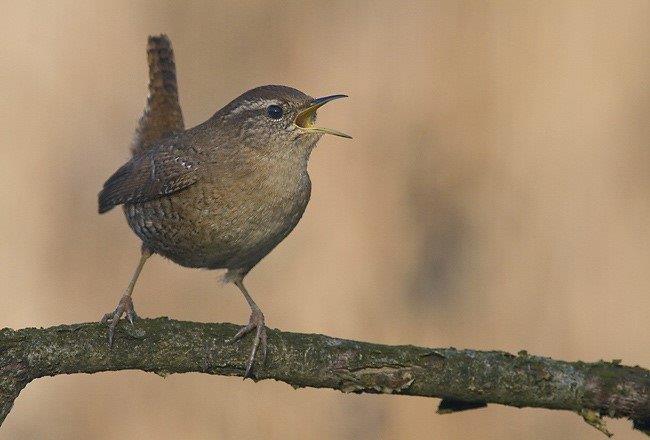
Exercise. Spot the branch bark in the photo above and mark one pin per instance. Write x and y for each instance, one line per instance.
(464, 379)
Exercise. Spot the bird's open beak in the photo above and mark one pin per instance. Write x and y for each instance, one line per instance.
(306, 117)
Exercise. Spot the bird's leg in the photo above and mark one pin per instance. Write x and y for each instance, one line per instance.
(125, 305)
(256, 322)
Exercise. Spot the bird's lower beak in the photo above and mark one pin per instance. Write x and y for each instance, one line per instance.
(307, 117)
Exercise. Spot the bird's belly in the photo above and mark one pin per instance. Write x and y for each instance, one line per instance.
(199, 227)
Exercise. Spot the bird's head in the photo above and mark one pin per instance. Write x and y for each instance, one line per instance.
(277, 119)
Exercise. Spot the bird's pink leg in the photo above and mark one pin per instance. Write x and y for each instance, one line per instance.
(256, 322)
(125, 305)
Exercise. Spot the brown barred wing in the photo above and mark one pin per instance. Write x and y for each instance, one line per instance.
(157, 172)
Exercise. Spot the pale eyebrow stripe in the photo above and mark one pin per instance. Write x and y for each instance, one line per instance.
(254, 105)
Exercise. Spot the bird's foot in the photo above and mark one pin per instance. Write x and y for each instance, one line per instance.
(256, 322)
(124, 307)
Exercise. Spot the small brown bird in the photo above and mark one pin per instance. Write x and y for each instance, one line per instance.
(223, 194)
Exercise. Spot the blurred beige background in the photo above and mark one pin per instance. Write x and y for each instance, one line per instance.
(496, 196)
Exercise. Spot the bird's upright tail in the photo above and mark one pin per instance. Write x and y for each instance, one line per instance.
(162, 115)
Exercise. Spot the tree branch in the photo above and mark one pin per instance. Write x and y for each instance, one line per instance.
(465, 379)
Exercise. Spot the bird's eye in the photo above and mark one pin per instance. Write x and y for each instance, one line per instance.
(274, 111)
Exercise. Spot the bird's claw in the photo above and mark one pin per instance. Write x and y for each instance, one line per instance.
(124, 307)
(256, 322)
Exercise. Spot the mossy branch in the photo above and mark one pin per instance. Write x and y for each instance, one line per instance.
(464, 379)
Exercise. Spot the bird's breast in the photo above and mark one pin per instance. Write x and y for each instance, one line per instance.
(229, 221)
(250, 215)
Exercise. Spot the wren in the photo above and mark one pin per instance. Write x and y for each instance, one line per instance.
(223, 194)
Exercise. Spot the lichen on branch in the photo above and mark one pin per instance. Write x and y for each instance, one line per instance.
(465, 379)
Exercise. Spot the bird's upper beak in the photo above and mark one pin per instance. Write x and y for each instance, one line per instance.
(306, 117)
